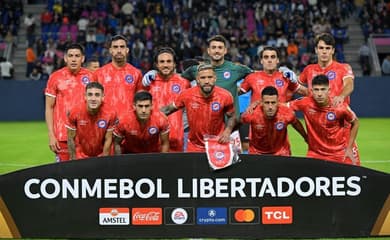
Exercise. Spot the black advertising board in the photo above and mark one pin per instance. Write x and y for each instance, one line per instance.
(176, 195)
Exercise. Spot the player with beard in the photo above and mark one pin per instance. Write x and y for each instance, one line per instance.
(65, 89)
(143, 129)
(268, 122)
(166, 87)
(207, 106)
(90, 125)
(120, 79)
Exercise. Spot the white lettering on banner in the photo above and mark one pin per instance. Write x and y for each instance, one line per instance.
(145, 188)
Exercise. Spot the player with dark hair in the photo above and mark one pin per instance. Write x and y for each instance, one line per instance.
(268, 123)
(270, 76)
(120, 79)
(93, 64)
(325, 124)
(207, 105)
(90, 125)
(65, 89)
(143, 129)
(340, 75)
(166, 87)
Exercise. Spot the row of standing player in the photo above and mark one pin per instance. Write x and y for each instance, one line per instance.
(144, 130)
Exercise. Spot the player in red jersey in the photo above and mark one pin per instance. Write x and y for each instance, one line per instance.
(270, 76)
(65, 89)
(340, 75)
(269, 122)
(206, 105)
(325, 124)
(120, 79)
(90, 126)
(143, 129)
(166, 86)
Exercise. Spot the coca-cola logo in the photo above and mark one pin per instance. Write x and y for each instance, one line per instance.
(146, 216)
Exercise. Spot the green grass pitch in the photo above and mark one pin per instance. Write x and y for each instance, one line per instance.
(25, 144)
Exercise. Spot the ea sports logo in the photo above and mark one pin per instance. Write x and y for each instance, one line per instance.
(101, 124)
(226, 75)
(331, 75)
(219, 155)
(176, 88)
(179, 216)
(152, 130)
(331, 116)
(215, 106)
(279, 126)
(129, 79)
(279, 83)
(85, 80)
(244, 215)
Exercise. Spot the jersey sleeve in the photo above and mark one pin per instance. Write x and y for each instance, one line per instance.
(303, 76)
(246, 117)
(350, 115)
(229, 108)
(296, 105)
(245, 86)
(51, 87)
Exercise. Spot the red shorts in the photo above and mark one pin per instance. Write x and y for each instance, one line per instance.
(63, 154)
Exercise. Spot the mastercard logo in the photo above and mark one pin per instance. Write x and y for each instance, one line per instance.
(244, 215)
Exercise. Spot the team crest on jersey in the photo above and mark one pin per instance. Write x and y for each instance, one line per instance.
(176, 88)
(331, 75)
(226, 75)
(215, 106)
(219, 155)
(331, 116)
(85, 80)
(129, 78)
(279, 126)
(102, 123)
(279, 83)
(152, 130)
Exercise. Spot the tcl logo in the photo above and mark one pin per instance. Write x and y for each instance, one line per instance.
(146, 216)
(277, 215)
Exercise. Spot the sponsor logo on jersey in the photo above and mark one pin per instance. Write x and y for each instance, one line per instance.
(331, 116)
(279, 83)
(215, 106)
(244, 215)
(129, 78)
(277, 215)
(102, 123)
(114, 216)
(152, 130)
(85, 80)
(176, 88)
(227, 75)
(206, 216)
(146, 216)
(279, 126)
(179, 216)
(331, 75)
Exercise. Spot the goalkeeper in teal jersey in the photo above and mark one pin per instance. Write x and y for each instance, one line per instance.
(228, 73)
